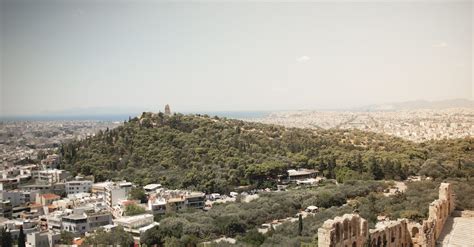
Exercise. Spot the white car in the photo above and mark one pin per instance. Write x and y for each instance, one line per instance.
(215, 196)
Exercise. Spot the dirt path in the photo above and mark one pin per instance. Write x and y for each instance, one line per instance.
(400, 187)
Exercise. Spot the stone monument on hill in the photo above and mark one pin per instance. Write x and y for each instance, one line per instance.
(167, 110)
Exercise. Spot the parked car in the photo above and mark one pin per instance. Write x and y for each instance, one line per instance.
(215, 196)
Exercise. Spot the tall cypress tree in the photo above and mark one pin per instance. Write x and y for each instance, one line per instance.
(21, 238)
(6, 238)
(300, 225)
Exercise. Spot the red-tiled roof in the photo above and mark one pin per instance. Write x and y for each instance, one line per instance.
(128, 202)
(78, 241)
(50, 196)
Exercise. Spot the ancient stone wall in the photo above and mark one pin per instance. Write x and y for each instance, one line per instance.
(390, 234)
(351, 230)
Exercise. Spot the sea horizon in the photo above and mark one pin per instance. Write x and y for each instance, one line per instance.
(126, 116)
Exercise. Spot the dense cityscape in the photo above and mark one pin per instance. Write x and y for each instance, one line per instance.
(416, 125)
(24, 139)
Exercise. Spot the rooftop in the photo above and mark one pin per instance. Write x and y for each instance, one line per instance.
(130, 219)
(76, 216)
(151, 186)
(50, 196)
(301, 172)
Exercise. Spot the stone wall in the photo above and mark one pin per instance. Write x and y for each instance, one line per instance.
(390, 234)
(351, 230)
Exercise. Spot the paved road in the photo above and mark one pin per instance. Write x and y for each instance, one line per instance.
(457, 232)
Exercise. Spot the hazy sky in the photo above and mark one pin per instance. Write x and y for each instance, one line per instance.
(208, 56)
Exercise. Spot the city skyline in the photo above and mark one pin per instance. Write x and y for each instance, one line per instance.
(58, 56)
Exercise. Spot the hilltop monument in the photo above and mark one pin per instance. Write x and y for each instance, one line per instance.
(167, 110)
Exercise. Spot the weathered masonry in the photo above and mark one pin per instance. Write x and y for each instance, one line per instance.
(351, 230)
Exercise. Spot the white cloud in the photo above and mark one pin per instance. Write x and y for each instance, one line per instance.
(303, 59)
(439, 45)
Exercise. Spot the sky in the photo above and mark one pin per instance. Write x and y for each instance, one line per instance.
(60, 56)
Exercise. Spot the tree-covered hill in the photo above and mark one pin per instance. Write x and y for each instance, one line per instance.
(217, 154)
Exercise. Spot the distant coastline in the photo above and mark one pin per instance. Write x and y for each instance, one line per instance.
(114, 114)
(125, 116)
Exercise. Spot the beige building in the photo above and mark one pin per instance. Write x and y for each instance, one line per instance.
(46, 199)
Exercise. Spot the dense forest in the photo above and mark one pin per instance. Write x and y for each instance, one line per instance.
(217, 154)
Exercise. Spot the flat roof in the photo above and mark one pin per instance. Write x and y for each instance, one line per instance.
(195, 194)
(130, 219)
(301, 172)
(151, 186)
(125, 184)
(76, 216)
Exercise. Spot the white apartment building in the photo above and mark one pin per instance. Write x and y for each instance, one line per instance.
(76, 187)
(52, 176)
(54, 220)
(116, 193)
(17, 198)
(84, 222)
(43, 239)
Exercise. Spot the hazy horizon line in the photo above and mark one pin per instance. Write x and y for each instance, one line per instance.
(101, 113)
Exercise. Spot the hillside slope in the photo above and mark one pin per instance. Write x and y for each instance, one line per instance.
(214, 154)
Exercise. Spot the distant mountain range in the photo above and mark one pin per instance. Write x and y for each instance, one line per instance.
(419, 104)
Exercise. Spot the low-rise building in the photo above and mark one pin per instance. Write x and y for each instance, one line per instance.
(98, 219)
(99, 188)
(75, 223)
(51, 161)
(46, 199)
(16, 197)
(5, 209)
(175, 200)
(84, 220)
(301, 174)
(54, 220)
(134, 222)
(157, 205)
(58, 188)
(8, 183)
(150, 188)
(52, 176)
(195, 199)
(14, 226)
(43, 239)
